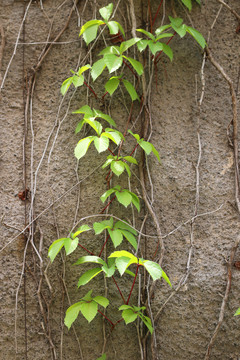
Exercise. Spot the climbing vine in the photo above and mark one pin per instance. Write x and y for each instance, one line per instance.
(111, 247)
(112, 140)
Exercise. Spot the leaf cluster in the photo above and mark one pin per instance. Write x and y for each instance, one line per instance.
(87, 306)
(113, 58)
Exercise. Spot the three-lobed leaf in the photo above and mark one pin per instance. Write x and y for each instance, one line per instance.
(88, 306)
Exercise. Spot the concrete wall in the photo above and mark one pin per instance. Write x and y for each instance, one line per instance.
(187, 322)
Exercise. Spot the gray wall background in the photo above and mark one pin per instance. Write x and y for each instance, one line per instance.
(188, 320)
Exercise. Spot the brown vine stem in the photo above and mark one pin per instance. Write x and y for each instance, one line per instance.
(236, 169)
(225, 298)
(16, 44)
(234, 122)
(230, 9)
(1, 52)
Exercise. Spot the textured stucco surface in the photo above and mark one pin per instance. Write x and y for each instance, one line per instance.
(189, 319)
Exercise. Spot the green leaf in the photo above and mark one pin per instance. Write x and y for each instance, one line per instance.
(164, 275)
(89, 310)
(129, 316)
(155, 152)
(89, 30)
(155, 47)
(88, 276)
(65, 85)
(188, 4)
(94, 124)
(109, 271)
(71, 314)
(127, 169)
(113, 135)
(110, 50)
(136, 65)
(116, 237)
(135, 201)
(124, 307)
(113, 27)
(122, 264)
(103, 357)
(55, 248)
(89, 24)
(97, 68)
(82, 146)
(197, 36)
(106, 11)
(79, 126)
(153, 269)
(124, 253)
(82, 228)
(131, 159)
(168, 51)
(117, 167)
(237, 312)
(90, 34)
(165, 35)
(83, 68)
(177, 25)
(146, 146)
(127, 44)
(175, 21)
(106, 117)
(112, 84)
(70, 245)
(90, 258)
(88, 296)
(142, 44)
(120, 28)
(137, 137)
(148, 34)
(124, 226)
(159, 30)
(107, 194)
(130, 273)
(131, 90)
(148, 323)
(113, 62)
(77, 80)
(100, 226)
(84, 110)
(101, 300)
(124, 197)
(101, 144)
(130, 237)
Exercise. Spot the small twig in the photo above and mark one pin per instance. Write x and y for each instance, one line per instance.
(234, 122)
(225, 298)
(158, 9)
(16, 45)
(230, 9)
(1, 50)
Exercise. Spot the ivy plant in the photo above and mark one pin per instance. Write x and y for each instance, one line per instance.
(104, 135)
